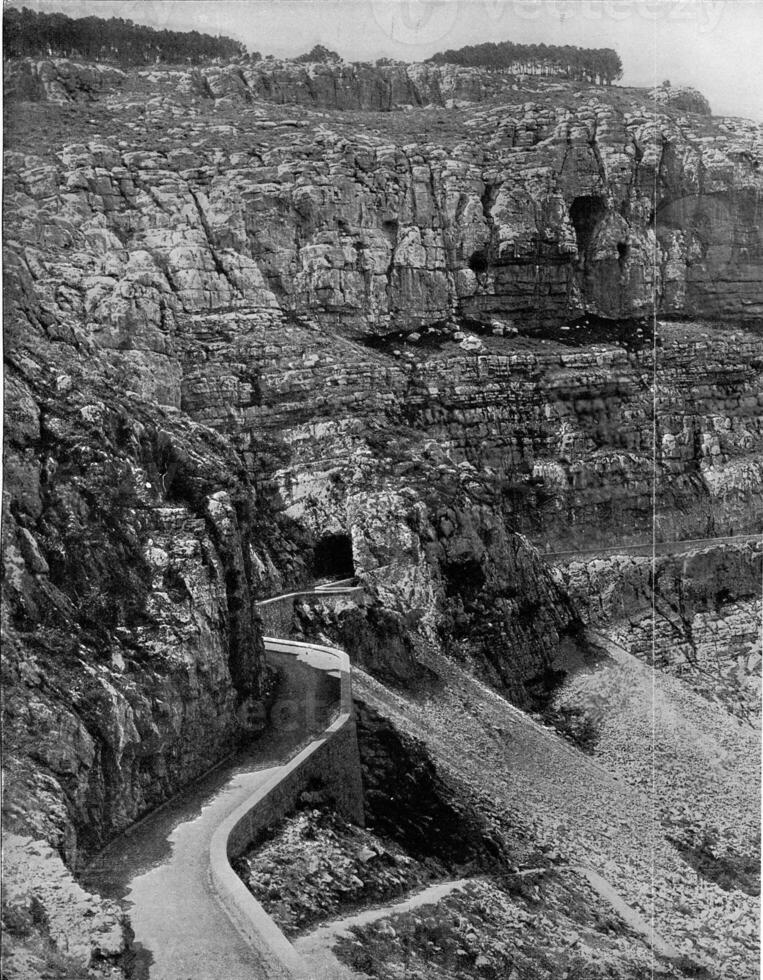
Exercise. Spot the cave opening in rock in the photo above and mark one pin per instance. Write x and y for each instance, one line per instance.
(623, 248)
(332, 557)
(389, 228)
(585, 213)
(478, 261)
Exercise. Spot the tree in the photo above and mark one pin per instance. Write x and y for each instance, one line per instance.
(600, 65)
(319, 54)
(28, 34)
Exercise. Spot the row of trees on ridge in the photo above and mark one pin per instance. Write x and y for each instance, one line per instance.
(27, 33)
(596, 65)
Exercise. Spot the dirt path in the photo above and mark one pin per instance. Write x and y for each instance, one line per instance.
(645, 549)
(315, 947)
(629, 915)
(585, 809)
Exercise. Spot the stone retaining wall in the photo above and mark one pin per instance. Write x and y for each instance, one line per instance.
(278, 614)
(333, 759)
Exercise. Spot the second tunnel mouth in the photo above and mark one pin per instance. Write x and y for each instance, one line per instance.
(332, 557)
(585, 213)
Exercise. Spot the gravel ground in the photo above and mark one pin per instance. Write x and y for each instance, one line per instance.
(555, 928)
(664, 805)
(606, 811)
(706, 762)
(544, 922)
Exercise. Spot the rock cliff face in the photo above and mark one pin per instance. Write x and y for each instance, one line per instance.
(58, 80)
(559, 201)
(376, 88)
(241, 335)
(695, 615)
(128, 550)
(622, 587)
(51, 925)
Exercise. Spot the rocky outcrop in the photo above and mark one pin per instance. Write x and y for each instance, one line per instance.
(611, 589)
(695, 615)
(549, 209)
(715, 651)
(335, 85)
(408, 800)
(221, 263)
(682, 97)
(560, 430)
(376, 88)
(131, 557)
(51, 924)
(475, 589)
(329, 85)
(273, 287)
(59, 80)
(375, 637)
(234, 328)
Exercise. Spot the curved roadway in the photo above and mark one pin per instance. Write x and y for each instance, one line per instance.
(191, 918)
(645, 549)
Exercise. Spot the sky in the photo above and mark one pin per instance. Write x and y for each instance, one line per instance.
(714, 45)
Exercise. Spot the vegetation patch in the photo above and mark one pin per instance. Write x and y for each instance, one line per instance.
(595, 65)
(38, 34)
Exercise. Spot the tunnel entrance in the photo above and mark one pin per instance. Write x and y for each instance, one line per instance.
(585, 213)
(332, 557)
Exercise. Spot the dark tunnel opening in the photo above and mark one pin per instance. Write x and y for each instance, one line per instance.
(585, 213)
(332, 557)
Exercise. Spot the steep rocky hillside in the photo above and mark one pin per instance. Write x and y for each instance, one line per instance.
(696, 615)
(249, 335)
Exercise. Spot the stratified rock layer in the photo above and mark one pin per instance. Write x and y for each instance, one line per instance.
(695, 614)
(240, 334)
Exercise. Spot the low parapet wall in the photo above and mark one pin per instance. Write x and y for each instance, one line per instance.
(331, 757)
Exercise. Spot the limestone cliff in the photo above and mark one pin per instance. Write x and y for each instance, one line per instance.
(695, 614)
(238, 331)
(129, 552)
(556, 199)
(333, 85)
